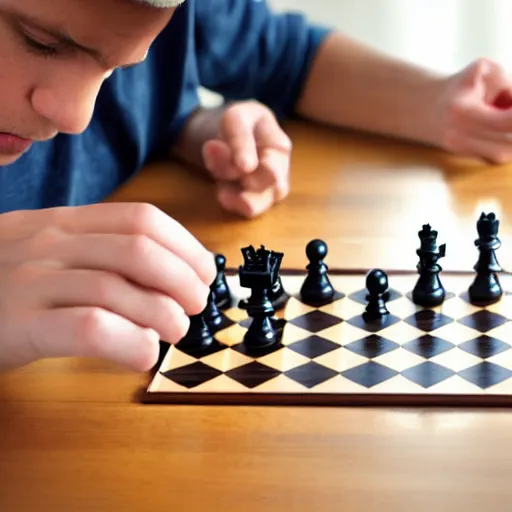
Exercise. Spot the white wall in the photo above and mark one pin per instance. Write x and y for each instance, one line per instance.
(441, 34)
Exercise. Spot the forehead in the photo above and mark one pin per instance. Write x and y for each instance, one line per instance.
(91, 21)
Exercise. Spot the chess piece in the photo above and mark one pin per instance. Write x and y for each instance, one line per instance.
(377, 286)
(220, 286)
(486, 287)
(198, 336)
(429, 291)
(277, 294)
(259, 274)
(317, 288)
(212, 316)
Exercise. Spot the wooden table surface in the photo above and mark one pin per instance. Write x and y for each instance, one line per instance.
(72, 437)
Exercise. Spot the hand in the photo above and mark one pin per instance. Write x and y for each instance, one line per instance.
(250, 160)
(476, 112)
(103, 281)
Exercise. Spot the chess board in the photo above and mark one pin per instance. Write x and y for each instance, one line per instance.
(454, 354)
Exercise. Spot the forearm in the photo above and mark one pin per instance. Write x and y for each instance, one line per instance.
(352, 85)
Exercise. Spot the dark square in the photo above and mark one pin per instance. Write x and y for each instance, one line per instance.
(253, 374)
(310, 374)
(484, 375)
(427, 374)
(373, 325)
(372, 346)
(428, 320)
(428, 346)
(361, 296)
(483, 320)
(316, 321)
(259, 352)
(192, 375)
(484, 346)
(215, 347)
(320, 303)
(369, 374)
(465, 297)
(313, 346)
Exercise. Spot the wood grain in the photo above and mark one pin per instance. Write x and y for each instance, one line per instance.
(367, 197)
(72, 438)
(106, 457)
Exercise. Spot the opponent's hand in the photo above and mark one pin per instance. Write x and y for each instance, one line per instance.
(476, 112)
(103, 281)
(250, 159)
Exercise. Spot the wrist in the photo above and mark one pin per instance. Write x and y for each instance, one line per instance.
(202, 125)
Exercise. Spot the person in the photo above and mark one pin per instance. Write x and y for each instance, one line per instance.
(92, 89)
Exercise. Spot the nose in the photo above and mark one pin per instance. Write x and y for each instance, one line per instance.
(68, 106)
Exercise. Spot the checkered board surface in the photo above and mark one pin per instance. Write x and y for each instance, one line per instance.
(455, 354)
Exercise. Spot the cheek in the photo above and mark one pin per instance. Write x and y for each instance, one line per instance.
(17, 77)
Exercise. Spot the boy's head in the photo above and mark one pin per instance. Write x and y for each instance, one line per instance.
(55, 55)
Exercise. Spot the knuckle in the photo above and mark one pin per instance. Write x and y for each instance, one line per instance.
(27, 273)
(139, 246)
(142, 217)
(44, 240)
(92, 326)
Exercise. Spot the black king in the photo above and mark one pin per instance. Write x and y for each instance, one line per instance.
(429, 291)
(259, 273)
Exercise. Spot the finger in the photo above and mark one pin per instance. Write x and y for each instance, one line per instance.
(138, 259)
(218, 160)
(137, 219)
(91, 288)
(483, 115)
(483, 148)
(269, 134)
(244, 203)
(94, 332)
(237, 130)
(484, 96)
(272, 171)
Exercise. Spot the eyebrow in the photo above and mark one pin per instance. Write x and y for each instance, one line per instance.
(66, 39)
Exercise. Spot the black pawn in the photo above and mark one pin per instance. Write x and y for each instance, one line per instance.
(377, 286)
(317, 288)
(198, 337)
(486, 287)
(220, 286)
(212, 316)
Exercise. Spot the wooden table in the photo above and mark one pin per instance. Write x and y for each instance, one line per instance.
(73, 439)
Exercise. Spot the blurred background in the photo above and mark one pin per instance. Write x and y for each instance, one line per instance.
(442, 34)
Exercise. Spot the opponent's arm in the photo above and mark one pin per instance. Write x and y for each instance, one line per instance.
(352, 85)
(467, 112)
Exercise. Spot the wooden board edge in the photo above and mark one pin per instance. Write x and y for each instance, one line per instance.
(325, 400)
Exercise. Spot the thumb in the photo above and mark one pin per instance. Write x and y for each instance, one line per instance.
(218, 159)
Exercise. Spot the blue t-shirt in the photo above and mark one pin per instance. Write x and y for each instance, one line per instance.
(238, 48)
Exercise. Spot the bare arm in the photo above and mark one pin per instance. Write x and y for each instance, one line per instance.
(355, 86)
